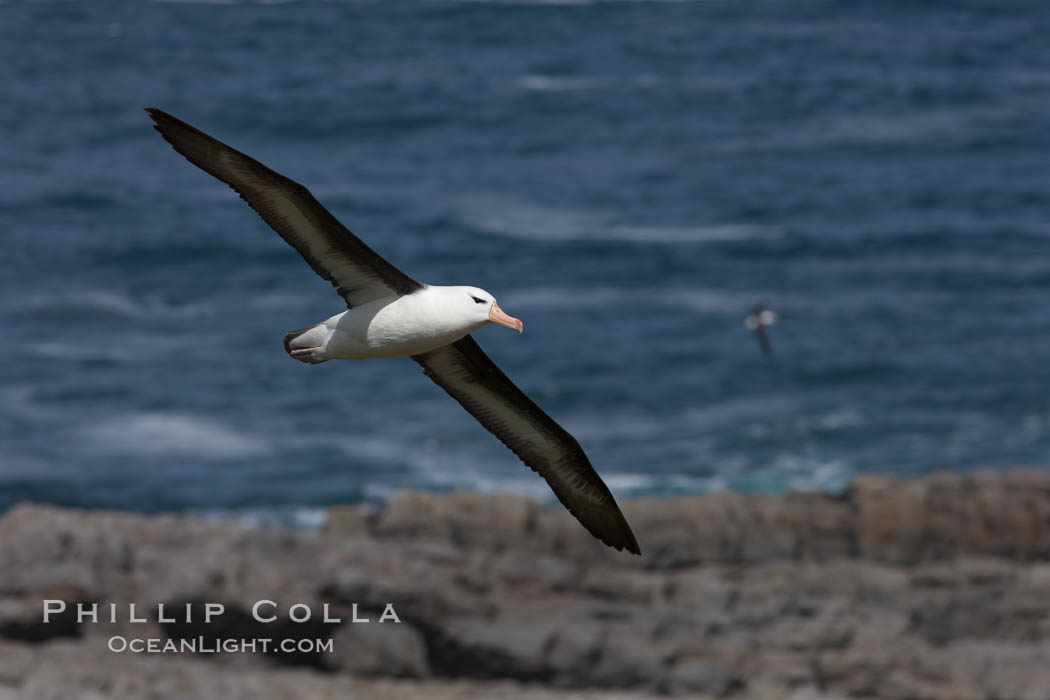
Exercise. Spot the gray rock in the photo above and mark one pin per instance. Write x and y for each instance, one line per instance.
(388, 649)
(927, 588)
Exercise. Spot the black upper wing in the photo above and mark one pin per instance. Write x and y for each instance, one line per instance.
(468, 375)
(334, 253)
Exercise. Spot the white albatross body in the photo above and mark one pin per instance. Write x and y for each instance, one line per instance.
(390, 315)
(397, 326)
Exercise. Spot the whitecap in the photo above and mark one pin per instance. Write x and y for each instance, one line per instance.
(694, 299)
(507, 216)
(157, 434)
(123, 349)
(305, 518)
(874, 129)
(378, 449)
(627, 483)
(565, 297)
(554, 83)
(108, 302)
(719, 233)
(568, 2)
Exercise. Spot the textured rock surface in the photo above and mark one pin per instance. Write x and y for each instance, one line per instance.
(931, 588)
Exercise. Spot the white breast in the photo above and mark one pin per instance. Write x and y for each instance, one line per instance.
(395, 327)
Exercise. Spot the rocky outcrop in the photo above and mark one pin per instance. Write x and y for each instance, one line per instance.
(879, 518)
(927, 588)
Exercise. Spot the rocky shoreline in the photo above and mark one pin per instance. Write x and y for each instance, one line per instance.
(936, 587)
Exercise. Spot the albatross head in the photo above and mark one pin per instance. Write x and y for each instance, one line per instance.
(481, 307)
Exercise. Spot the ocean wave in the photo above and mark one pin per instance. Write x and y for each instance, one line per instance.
(633, 485)
(875, 129)
(125, 349)
(114, 303)
(569, 2)
(806, 472)
(304, 518)
(274, 301)
(695, 299)
(162, 434)
(554, 83)
(378, 449)
(718, 233)
(478, 478)
(535, 82)
(506, 216)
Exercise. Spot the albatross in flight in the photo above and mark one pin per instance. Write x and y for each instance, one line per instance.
(391, 315)
(757, 322)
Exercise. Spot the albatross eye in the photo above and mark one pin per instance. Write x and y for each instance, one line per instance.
(476, 300)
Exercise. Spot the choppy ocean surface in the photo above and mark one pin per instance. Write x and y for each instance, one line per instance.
(629, 178)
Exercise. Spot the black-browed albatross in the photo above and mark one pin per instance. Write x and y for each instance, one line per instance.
(391, 315)
(757, 322)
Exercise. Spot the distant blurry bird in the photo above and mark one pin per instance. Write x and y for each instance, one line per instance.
(757, 322)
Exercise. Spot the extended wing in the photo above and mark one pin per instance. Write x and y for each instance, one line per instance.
(333, 252)
(468, 375)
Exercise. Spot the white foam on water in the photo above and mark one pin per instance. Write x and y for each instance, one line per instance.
(711, 300)
(554, 83)
(874, 129)
(694, 299)
(122, 348)
(529, 484)
(401, 453)
(110, 302)
(562, 297)
(537, 82)
(154, 434)
(569, 2)
(721, 233)
(511, 217)
(625, 486)
(305, 518)
(836, 420)
(627, 483)
(379, 492)
(506, 216)
(811, 473)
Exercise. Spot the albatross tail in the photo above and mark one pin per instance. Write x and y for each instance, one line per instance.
(307, 344)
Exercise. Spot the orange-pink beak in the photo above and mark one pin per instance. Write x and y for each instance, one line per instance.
(497, 315)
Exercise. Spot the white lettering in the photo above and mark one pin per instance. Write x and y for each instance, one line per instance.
(389, 614)
(160, 615)
(328, 618)
(301, 606)
(82, 612)
(259, 604)
(53, 607)
(131, 616)
(213, 610)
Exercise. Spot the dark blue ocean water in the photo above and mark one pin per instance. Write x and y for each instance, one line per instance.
(629, 178)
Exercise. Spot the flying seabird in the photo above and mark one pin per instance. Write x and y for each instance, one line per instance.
(391, 315)
(757, 322)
